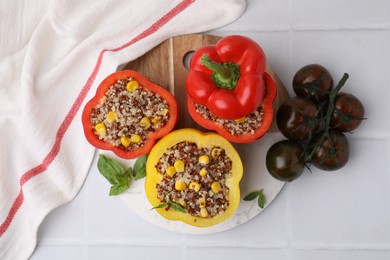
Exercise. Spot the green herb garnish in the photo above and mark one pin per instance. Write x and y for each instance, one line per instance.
(173, 205)
(139, 170)
(256, 194)
(118, 176)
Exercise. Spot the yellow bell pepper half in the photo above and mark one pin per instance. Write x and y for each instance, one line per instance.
(202, 140)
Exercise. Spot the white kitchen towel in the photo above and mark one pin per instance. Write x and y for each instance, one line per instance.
(53, 55)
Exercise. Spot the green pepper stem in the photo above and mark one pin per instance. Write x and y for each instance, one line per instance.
(215, 67)
(225, 75)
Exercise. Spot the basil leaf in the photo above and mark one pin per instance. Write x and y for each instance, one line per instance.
(129, 172)
(118, 189)
(261, 199)
(251, 196)
(162, 205)
(139, 175)
(177, 207)
(139, 170)
(110, 169)
(116, 175)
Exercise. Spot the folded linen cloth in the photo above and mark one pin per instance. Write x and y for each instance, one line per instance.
(53, 56)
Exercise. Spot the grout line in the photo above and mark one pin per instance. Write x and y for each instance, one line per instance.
(242, 245)
(369, 138)
(347, 27)
(183, 247)
(309, 27)
(388, 84)
(253, 29)
(339, 248)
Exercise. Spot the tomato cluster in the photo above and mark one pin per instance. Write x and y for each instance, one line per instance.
(314, 123)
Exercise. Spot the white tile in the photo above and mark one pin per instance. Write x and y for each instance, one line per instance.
(262, 15)
(59, 253)
(348, 207)
(364, 56)
(64, 224)
(340, 254)
(341, 13)
(230, 253)
(134, 252)
(276, 48)
(269, 228)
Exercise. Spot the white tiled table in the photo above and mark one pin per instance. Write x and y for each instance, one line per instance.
(336, 215)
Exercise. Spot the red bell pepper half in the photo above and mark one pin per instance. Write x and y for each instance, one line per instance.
(227, 77)
(269, 97)
(152, 136)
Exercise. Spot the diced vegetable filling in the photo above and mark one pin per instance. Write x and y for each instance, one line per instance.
(195, 178)
(127, 113)
(244, 125)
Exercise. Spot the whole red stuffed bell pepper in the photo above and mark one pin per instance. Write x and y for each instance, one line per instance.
(227, 77)
(246, 129)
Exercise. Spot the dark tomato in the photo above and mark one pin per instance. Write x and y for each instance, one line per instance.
(348, 112)
(311, 80)
(329, 152)
(284, 160)
(297, 118)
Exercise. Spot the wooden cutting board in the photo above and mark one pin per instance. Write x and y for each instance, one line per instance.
(167, 66)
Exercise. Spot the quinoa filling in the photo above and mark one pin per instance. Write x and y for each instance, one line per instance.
(244, 125)
(195, 178)
(127, 113)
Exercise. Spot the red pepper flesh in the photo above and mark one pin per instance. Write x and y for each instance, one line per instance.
(270, 94)
(152, 136)
(227, 77)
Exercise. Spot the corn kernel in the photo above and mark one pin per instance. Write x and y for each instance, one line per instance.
(195, 186)
(216, 187)
(145, 123)
(180, 185)
(111, 117)
(101, 129)
(241, 120)
(204, 159)
(202, 202)
(132, 85)
(171, 171)
(179, 166)
(215, 152)
(156, 120)
(165, 111)
(135, 138)
(125, 141)
(204, 213)
(203, 172)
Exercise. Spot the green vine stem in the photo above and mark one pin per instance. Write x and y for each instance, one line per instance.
(332, 97)
(328, 116)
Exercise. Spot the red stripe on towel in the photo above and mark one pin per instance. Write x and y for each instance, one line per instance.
(42, 167)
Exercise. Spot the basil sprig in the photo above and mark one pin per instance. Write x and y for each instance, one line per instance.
(173, 205)
(118, 176)
(256, 194)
